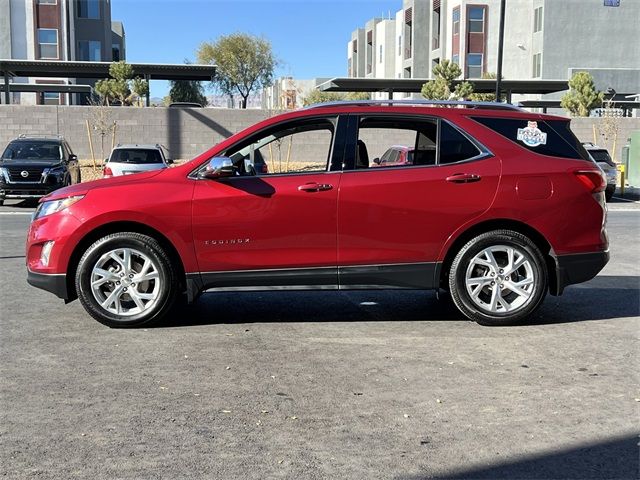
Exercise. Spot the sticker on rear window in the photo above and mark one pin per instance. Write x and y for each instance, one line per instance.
(531, 135)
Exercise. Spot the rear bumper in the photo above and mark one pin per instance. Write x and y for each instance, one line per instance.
(55, 283)
(578, 268)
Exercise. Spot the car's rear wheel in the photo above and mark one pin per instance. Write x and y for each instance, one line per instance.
(608, 193)
(498, 278)
(126, 280)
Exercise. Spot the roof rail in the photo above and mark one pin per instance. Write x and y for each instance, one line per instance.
(42, 135)
(419, 102)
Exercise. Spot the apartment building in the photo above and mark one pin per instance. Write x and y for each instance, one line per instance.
(72, 30)
(288, 93)
(546, 39)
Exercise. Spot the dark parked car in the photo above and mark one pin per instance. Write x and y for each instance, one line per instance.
(32, 167)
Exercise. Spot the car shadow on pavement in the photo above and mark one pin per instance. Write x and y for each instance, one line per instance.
(604, 298)
(614, 458)
(312, 306)
(27, 203)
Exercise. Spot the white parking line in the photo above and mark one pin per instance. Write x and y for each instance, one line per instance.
(16, 213)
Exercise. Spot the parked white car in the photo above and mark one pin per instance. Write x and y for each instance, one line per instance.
(127, 159)
(603, 159)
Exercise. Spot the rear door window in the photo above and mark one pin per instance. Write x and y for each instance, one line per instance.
(427, 141)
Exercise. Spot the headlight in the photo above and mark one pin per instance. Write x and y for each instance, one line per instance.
(58, 171)
(53, 206)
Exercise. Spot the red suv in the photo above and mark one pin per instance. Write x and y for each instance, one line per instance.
(498, 206)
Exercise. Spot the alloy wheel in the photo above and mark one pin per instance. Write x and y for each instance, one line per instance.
(500, 279)
(125, 282)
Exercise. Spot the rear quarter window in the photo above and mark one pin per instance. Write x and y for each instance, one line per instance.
(549, 137)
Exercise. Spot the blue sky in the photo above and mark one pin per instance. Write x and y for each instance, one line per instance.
(309, 37)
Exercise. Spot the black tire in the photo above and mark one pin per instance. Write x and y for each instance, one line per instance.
(482, 314)
(148, 246)
(608, 194)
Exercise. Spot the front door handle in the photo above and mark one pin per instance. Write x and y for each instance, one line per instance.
(315, 187)
(463, 178)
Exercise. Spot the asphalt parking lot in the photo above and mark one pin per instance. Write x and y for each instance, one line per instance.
(393, 385)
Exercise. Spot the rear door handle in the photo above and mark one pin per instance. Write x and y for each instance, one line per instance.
(463, 178)
(315, 187)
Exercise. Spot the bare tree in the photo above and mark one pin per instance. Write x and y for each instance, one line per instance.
(102, 123)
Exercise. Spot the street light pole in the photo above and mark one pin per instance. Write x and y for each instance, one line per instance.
(500, 48)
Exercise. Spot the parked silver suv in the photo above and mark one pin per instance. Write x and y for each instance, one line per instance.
(605, 162)
(127, 159)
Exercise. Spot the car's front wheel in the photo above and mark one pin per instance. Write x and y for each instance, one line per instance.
(125, 280)
(498, 278)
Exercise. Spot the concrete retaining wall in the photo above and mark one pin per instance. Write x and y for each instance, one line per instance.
(184, 131)
(188, 132)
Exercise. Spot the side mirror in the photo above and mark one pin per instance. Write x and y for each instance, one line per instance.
(376, 161)
(169, 161)
(73, 158)
(218, 167)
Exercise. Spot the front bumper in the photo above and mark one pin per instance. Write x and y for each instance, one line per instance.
(577, 268)
(27, 190)
(55, 283)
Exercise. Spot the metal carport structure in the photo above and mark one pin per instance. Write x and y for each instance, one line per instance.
(414, 85)
(64, 69)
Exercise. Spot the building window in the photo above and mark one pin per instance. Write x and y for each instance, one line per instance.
(476, 20)
(537, 20)
(435, 43)
(380, 53)
(47, 2)
(89, 50)
(455, 59)
(408, 32)
(50, 98)
(48, 43)
(370, 52)
(474, 65)
(456, 21)
(537, 65)
(88, 9)
(115, 52)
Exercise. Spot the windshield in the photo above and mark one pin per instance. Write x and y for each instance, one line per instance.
(135, 156)
(601, 156)
(33, 151)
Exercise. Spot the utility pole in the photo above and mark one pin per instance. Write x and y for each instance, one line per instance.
(500, 48)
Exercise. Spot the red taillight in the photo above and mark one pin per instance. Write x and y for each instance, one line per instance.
(106, 172)
(593, 180)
